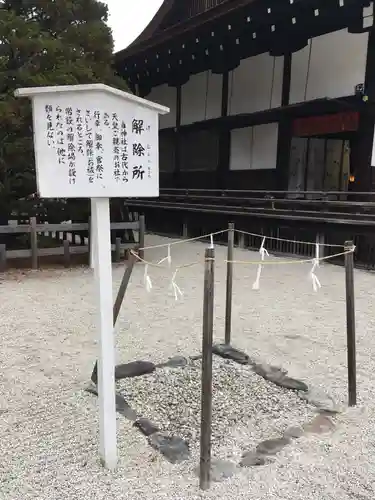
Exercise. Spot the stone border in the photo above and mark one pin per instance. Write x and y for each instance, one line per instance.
(324, 404)
(176, 450)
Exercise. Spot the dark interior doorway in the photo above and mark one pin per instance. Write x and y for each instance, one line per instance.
(319, 164)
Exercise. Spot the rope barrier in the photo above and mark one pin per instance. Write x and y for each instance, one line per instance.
(223, 231)
(295, 261)
(160, 265)
(180, 242)
(286, 240)
(178, 293)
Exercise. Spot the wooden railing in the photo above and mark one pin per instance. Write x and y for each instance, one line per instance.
(65, 233)
(329, 217)
(311, 206)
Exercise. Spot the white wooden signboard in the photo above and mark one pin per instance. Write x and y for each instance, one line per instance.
(97, 142)
(93, 141)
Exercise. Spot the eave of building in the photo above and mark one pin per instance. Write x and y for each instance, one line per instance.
(218, 39)
(147, 41)
(292, 111)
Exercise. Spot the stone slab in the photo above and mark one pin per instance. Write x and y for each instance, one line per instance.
(146, 426)
(134, 369)
(229, 352)
(272, 446)
(174, 449)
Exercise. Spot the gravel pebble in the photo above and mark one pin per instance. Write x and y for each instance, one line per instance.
(49, 425)
(241, 399)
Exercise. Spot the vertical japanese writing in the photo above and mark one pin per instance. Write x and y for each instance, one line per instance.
(106, 120)
(137, 126)
(79, 129)
(124, 153)
(50, 130)
(89, 147)
(138, 150)
(72, 172)
(61, 149)
(98, 145)
(148, 148)
(116, 147)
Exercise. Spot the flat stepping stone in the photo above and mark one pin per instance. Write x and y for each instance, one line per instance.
(278, 377)
(127, 370)
(321, 424)
(175, 362)
(292, 384)
(122, 407)
(269, 372)
(272, 446)
(221, 470)
(91, 389)
(174, 449)
(146, 426)
(134, 369)
(228, 352)
(293, 433)
(320, 400)
(252, 459)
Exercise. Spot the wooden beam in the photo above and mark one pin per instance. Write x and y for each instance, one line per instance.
(224, 145)
(284, 132)
(177, 137)
(287, 76)
(362, 145)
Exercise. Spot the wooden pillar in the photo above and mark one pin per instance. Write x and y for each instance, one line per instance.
(177, 138)
(224, 144)
(285, 129)
(362, 145)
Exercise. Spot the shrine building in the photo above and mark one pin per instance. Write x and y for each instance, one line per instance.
(272, 118)
(264, 94)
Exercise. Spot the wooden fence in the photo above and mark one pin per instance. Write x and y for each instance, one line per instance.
(67, 249)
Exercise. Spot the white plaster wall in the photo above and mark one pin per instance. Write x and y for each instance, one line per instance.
(240, 148)
(167, 96)
(256, 84)
(337, 65)
(254, 148)
(201, 98)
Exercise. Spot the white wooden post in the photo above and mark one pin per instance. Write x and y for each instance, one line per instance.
(97, 142)
(106, 366)
(92, 241)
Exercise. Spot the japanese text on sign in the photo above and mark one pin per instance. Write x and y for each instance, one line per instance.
(93, 145)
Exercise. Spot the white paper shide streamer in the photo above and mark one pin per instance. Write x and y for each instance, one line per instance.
(317, 254)
(168, 258)
(178, 294)
(147, 279)
(212, 241)
(314, 279)
(263, 253)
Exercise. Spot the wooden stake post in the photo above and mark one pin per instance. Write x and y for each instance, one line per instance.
(122, 163)
(350, 324)
(229, 290)
(206, 395)
(117, 305)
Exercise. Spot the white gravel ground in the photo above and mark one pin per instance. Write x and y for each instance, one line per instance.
(246, 409)
(48, 425)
